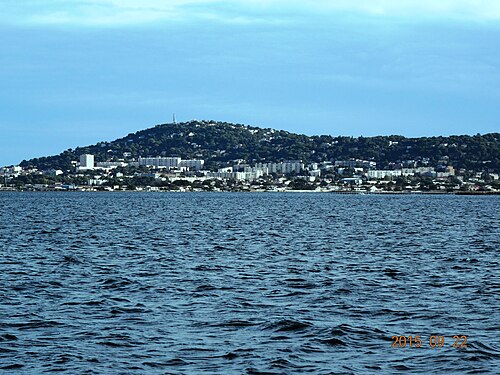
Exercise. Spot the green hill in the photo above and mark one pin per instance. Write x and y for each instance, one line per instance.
(220, 142)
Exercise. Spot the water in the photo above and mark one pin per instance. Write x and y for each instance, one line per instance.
(247, 283)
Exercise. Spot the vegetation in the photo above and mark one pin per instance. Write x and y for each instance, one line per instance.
(220, 143)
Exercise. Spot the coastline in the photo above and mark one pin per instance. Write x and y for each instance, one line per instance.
(341, 192)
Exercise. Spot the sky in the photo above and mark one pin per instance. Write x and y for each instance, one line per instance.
(76, 72)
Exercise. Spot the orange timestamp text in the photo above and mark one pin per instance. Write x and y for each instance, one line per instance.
(435, 341)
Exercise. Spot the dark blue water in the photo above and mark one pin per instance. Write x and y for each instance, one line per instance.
(247, 283)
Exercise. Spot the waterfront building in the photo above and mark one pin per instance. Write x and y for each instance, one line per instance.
(352, 180)
(380, 174)
(238, 176)
(315, 173)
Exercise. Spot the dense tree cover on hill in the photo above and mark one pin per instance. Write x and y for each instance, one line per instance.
(219, 142)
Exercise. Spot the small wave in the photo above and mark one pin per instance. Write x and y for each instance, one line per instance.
(280, 338)
(4, 350)
(333, 342)
(36, 324)
(203, 267)
(280, 294)
(196, 349)
(219, 247)
(486, 352)
(71, 259)
(237, 323)
(114, 344)
(281, 363)
(286, 325)
(169, 363)
(343, 291)
(8, 337)
(374, 367)
(401, 368)
(56, 283)
(205, 287)
(15, 366)
(115, 283)
(138, 309)
(272, 234)
(119, 299)
(393, 273)
(50, 231)
(347, 335)
(253, 371)
(305, 285)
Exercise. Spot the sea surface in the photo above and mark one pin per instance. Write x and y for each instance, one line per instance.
(229, 283)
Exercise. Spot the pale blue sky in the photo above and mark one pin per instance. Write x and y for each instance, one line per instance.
(77, 72)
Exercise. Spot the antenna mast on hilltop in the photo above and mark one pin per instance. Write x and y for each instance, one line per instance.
(173, 119)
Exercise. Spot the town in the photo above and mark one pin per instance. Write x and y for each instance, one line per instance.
(174, 174)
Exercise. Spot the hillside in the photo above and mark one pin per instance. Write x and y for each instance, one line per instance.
(219, 143)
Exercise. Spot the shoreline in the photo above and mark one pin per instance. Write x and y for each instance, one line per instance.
(340, 192)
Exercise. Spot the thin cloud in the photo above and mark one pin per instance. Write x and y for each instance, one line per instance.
(133, 12)
(455, 9)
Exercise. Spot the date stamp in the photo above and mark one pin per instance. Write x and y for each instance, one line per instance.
(434, 342)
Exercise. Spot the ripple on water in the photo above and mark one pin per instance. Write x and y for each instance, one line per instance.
(247, 283)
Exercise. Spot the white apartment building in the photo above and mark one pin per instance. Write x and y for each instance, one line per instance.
(414, 171)
(192, 164)
(291, 166)
(11, 171)
(283, 167)
(111, 164)
(380, 174)
(355, 163)
(239, 176)
(259, 171)
(158, 161)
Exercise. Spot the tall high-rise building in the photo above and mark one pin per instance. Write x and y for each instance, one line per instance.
(86, 161)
